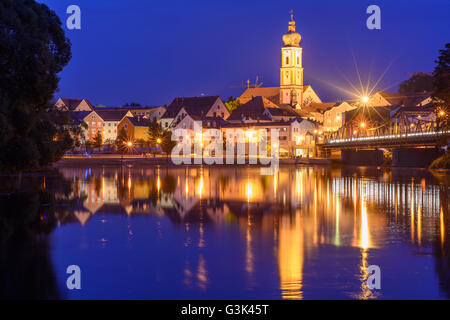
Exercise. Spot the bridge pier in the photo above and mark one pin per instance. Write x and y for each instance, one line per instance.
(415, 157)
(362, 157)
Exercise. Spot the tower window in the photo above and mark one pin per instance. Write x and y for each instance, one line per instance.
(298, 60)
(287, 60)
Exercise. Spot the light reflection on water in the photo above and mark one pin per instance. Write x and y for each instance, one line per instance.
(303, 233)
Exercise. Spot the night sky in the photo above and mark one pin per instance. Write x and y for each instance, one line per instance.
(152, 51)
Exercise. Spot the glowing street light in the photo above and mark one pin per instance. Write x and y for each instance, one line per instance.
(129, 144)
(365, 99)
(362, 125)
(158, 140)
(442, 113)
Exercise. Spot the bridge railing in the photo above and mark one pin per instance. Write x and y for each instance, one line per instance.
(387, 133)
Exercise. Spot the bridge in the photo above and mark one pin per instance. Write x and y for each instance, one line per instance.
(405, 140)
(414, 144)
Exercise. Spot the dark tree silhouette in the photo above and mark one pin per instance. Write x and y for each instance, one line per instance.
(33, 50)
(419, 82)
(441, 76)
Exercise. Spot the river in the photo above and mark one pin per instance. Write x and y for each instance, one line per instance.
(225, 233)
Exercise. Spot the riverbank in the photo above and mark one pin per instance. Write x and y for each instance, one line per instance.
(138, 160)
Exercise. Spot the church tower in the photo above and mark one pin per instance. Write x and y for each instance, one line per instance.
(291, 71)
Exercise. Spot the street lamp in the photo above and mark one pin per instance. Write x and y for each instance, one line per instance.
(365, 99)
(362, 125)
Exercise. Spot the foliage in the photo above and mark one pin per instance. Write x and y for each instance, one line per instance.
(33, 50)
(167, 144)
(442, 162)
(98, 141)
(232, 104)
(155, 132)
(441, 76)
(121, 140)
(419, 82)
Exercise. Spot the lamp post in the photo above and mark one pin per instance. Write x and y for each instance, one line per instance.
(129, 145)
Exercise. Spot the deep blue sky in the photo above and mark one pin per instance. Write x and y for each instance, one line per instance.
(152, 51)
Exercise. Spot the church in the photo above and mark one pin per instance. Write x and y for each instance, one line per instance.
(291, 90)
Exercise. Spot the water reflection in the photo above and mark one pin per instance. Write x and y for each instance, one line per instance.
(321, 227)
(31, 206)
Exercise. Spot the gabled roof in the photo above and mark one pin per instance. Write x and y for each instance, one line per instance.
(111, 114)
(284, 110)
(194, 106)
(404, 99)
(253, 109)
(139, 121)
(320, 107)
(78, 117)
(72, 104)
(373, 114)
(271, 93)
(264, 124)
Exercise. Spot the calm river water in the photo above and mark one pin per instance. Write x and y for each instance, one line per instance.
(225, 233)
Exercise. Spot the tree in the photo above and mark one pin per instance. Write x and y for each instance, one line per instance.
(33, 50)
(98, 141)
(419, 82)
(232, 104)
(155, 133)
(441, 76)
(167, 144)
(122, 139)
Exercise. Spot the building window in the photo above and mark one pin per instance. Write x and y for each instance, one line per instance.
(298, 60)
(287, 60)
(125, 126)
